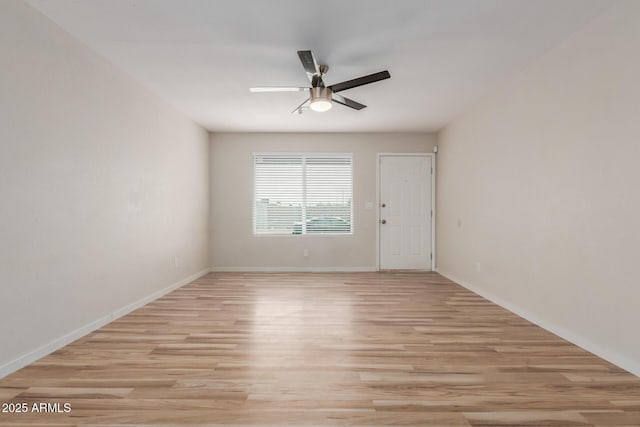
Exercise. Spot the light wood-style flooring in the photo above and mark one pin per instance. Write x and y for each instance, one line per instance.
(362, 349)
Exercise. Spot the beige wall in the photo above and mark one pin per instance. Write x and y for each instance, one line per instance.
(102, 186)
(539, 184)
(233, 246)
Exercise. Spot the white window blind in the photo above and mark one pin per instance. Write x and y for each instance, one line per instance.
(303, 193)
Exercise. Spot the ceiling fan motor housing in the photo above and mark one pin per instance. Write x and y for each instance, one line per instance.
(320, 98)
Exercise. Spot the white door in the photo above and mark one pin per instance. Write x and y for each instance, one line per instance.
(405, 212)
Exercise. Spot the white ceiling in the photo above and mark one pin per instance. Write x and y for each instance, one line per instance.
(203, 55)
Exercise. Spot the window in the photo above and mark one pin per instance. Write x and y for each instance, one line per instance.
(303, 193)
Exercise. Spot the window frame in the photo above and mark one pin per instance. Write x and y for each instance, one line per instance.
(303, 155)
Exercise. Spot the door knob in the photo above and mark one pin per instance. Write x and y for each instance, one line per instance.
(383, 221)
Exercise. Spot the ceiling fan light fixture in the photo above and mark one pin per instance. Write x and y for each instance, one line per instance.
(321, 105)
(320, 99)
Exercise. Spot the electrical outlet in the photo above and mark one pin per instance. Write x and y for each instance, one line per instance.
(478, 267)
(176, 261)
(305, 253)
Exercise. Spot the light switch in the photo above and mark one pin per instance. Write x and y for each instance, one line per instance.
(368, 206)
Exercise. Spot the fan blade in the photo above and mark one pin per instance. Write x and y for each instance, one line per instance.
(278, 89)
(310, 65)
(309, 62)
(301, 107)
(348, 102)
(365, 80)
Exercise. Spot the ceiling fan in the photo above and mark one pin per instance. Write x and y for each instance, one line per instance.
(321, 97)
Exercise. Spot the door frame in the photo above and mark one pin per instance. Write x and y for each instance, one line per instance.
(432, 157)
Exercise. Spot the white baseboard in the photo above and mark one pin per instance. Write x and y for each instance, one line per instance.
(294, 269)
(604, 353)
(58, 343)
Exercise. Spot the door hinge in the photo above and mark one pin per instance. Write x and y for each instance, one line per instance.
(431, 256)
(431, 171)
(431, 213)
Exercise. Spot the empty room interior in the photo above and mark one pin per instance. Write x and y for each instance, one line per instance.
(337, 213)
